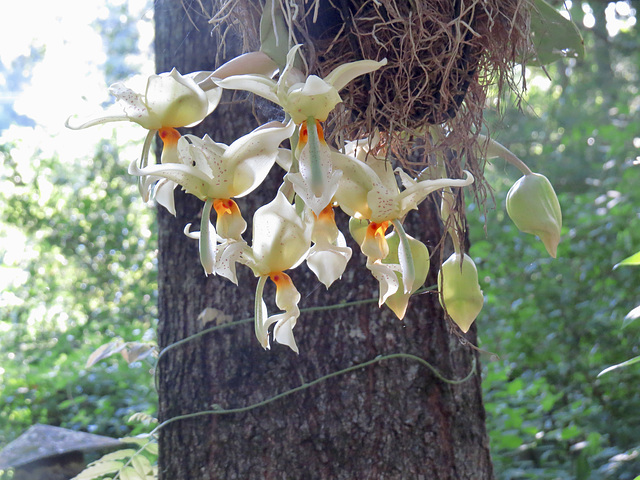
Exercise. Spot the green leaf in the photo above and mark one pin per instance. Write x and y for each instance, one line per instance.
(509, 441)
(141, 465)
(97, 469)
(631, 361)
(152, 448)
(128, 473)
(569, 432)
(632, 260)
(554, 36)
(274, 33)
(118, 455)
(140, 440)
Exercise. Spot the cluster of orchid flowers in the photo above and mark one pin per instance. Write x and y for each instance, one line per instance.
(298, 225)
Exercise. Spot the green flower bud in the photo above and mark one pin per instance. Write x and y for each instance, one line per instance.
(533, 206)
(460, 293)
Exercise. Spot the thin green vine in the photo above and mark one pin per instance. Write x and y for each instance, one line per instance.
(319, 308)
(222, 411)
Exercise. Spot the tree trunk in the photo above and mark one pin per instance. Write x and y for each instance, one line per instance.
(391, 420)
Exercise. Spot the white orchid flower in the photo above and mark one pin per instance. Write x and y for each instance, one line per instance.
(170, 101)
(216, 173)
(398, 300)
(329, 255)
(307, 100)
(397, 282)
(369, 190)
(281, 241)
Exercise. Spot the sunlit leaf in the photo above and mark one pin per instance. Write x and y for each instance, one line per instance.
(631, 361)
(118, 455)
(142, 417)
(152, 448)
(554, 36)
(632, 260)
(98, 469)
(129, 473)
(139, 440)
(141, 465)
(136, 351)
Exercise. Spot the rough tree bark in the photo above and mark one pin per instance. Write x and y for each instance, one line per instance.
(391, 420)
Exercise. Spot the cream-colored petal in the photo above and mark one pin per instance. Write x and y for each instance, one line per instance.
(191, 179)
(249, 159)
(228, 254)
(163, 194)
(345, 73)
(410, 198)
(387, 279)
(207, 243)
(328, 262)
(176, 99)
(257, 84)
(283, 331)
(281, 239)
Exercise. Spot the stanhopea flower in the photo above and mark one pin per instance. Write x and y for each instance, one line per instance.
(399, 300)
(369, 190)
(533, 206)
(281, 241)
(397, 280)
(216, 173)
(460, 293)
(170, 101)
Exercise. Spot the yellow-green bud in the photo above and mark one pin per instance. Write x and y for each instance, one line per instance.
(533, 206)
(460, 293)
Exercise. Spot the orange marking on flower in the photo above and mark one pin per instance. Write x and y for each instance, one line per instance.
(327, 214)
(169, 136)
(281, 279)
(377, 230)
(303, 134)
(225, 206)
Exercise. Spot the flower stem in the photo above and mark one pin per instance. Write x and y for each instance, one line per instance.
(495, 149)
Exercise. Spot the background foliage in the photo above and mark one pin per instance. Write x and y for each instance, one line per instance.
(78, 258)
(78, 247)
(555, 324)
